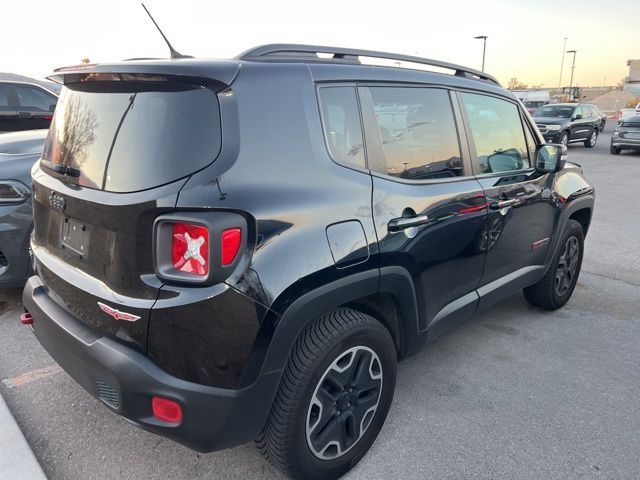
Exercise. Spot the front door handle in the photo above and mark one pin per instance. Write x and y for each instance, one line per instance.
(401, 223)
(24, 114)
(502, 204)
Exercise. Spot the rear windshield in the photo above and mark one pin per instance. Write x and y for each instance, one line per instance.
(554, 111)
(125, 138)
(632, 122)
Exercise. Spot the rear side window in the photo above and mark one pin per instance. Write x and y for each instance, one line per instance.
(125, 138)
(497, 132)
(30, 98)
(418, 132)
(341, 124)
(4, 98)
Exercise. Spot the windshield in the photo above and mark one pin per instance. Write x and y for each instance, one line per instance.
(125, 138)
(555, 111)
(533, 104)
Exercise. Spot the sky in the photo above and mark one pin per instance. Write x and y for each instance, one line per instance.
(525, 36)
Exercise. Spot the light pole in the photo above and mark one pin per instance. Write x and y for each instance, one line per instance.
(573, 66)
(484, 47)
(562, 63)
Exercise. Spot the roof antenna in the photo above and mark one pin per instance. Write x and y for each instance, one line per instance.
(174, 52)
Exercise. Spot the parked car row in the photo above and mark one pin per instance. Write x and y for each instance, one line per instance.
(25, 106)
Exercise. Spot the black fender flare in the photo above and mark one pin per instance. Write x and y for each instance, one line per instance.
(396, 281)
(575, 204)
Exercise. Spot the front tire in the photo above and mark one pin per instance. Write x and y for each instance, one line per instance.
(591, 141)
(614, 150)
(556, 287)
(564, 139)
(333, 398)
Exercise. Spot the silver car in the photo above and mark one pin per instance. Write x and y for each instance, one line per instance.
(18, 152)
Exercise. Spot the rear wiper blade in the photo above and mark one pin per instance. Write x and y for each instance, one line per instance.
(61, 169)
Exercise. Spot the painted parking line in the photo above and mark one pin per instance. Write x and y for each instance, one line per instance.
(32, 376)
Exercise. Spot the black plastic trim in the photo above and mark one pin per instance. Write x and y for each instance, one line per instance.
(213, 418)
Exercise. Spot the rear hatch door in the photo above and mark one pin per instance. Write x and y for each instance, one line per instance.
(119, 150)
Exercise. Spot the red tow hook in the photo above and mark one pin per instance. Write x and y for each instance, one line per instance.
(26, 318)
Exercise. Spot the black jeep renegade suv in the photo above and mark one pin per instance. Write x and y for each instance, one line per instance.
(238, 250)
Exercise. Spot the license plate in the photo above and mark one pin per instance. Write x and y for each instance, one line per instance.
(75, 237)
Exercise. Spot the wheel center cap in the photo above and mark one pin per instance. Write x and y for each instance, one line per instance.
(343, 401)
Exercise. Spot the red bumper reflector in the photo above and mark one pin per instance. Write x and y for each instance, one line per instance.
(166, 410)
(230, 245)
(26, 319)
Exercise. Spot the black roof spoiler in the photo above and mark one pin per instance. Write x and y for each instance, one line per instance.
(294, 52)
(222, 71)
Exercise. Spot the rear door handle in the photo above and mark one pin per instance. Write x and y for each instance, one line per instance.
(398, 224)
(24, 114)
(503, 204)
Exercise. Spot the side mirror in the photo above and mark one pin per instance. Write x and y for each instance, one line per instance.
(550, 158)
(577, 117)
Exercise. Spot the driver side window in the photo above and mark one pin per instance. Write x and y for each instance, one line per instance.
(497, 133)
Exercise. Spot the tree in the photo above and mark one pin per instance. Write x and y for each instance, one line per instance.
(633, 103)
(85, 60)
(515, 84)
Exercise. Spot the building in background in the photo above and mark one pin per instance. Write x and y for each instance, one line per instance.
(632, 82)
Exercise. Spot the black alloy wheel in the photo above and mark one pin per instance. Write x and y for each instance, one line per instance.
(567, 266)
(344, 402)
(560, 279)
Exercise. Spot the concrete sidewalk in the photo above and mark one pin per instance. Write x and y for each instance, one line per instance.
(17, 461)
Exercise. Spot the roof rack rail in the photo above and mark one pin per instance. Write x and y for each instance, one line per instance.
(284, 51)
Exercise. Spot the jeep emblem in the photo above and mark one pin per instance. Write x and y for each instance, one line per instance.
(57, 202)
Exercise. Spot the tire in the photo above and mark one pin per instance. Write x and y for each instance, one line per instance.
(614, 150)
(564, 139)
(546, 294)
(592, 139)
(297, 437)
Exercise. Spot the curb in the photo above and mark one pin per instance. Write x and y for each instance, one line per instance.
(16, 457)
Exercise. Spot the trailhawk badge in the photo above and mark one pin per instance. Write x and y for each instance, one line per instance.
(117, 314)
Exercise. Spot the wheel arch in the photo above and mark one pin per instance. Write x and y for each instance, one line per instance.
(583, 217)
(579, 209)
(386, 294)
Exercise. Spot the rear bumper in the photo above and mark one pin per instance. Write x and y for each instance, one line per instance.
(626, 143)
(126, 380)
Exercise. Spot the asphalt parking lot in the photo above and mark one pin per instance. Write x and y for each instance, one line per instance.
(515, 393)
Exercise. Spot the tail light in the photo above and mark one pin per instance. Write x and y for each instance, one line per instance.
(230, 244)
(190, 249)
(199, 247)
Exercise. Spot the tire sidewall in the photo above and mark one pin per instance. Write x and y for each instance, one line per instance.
(378, 340)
